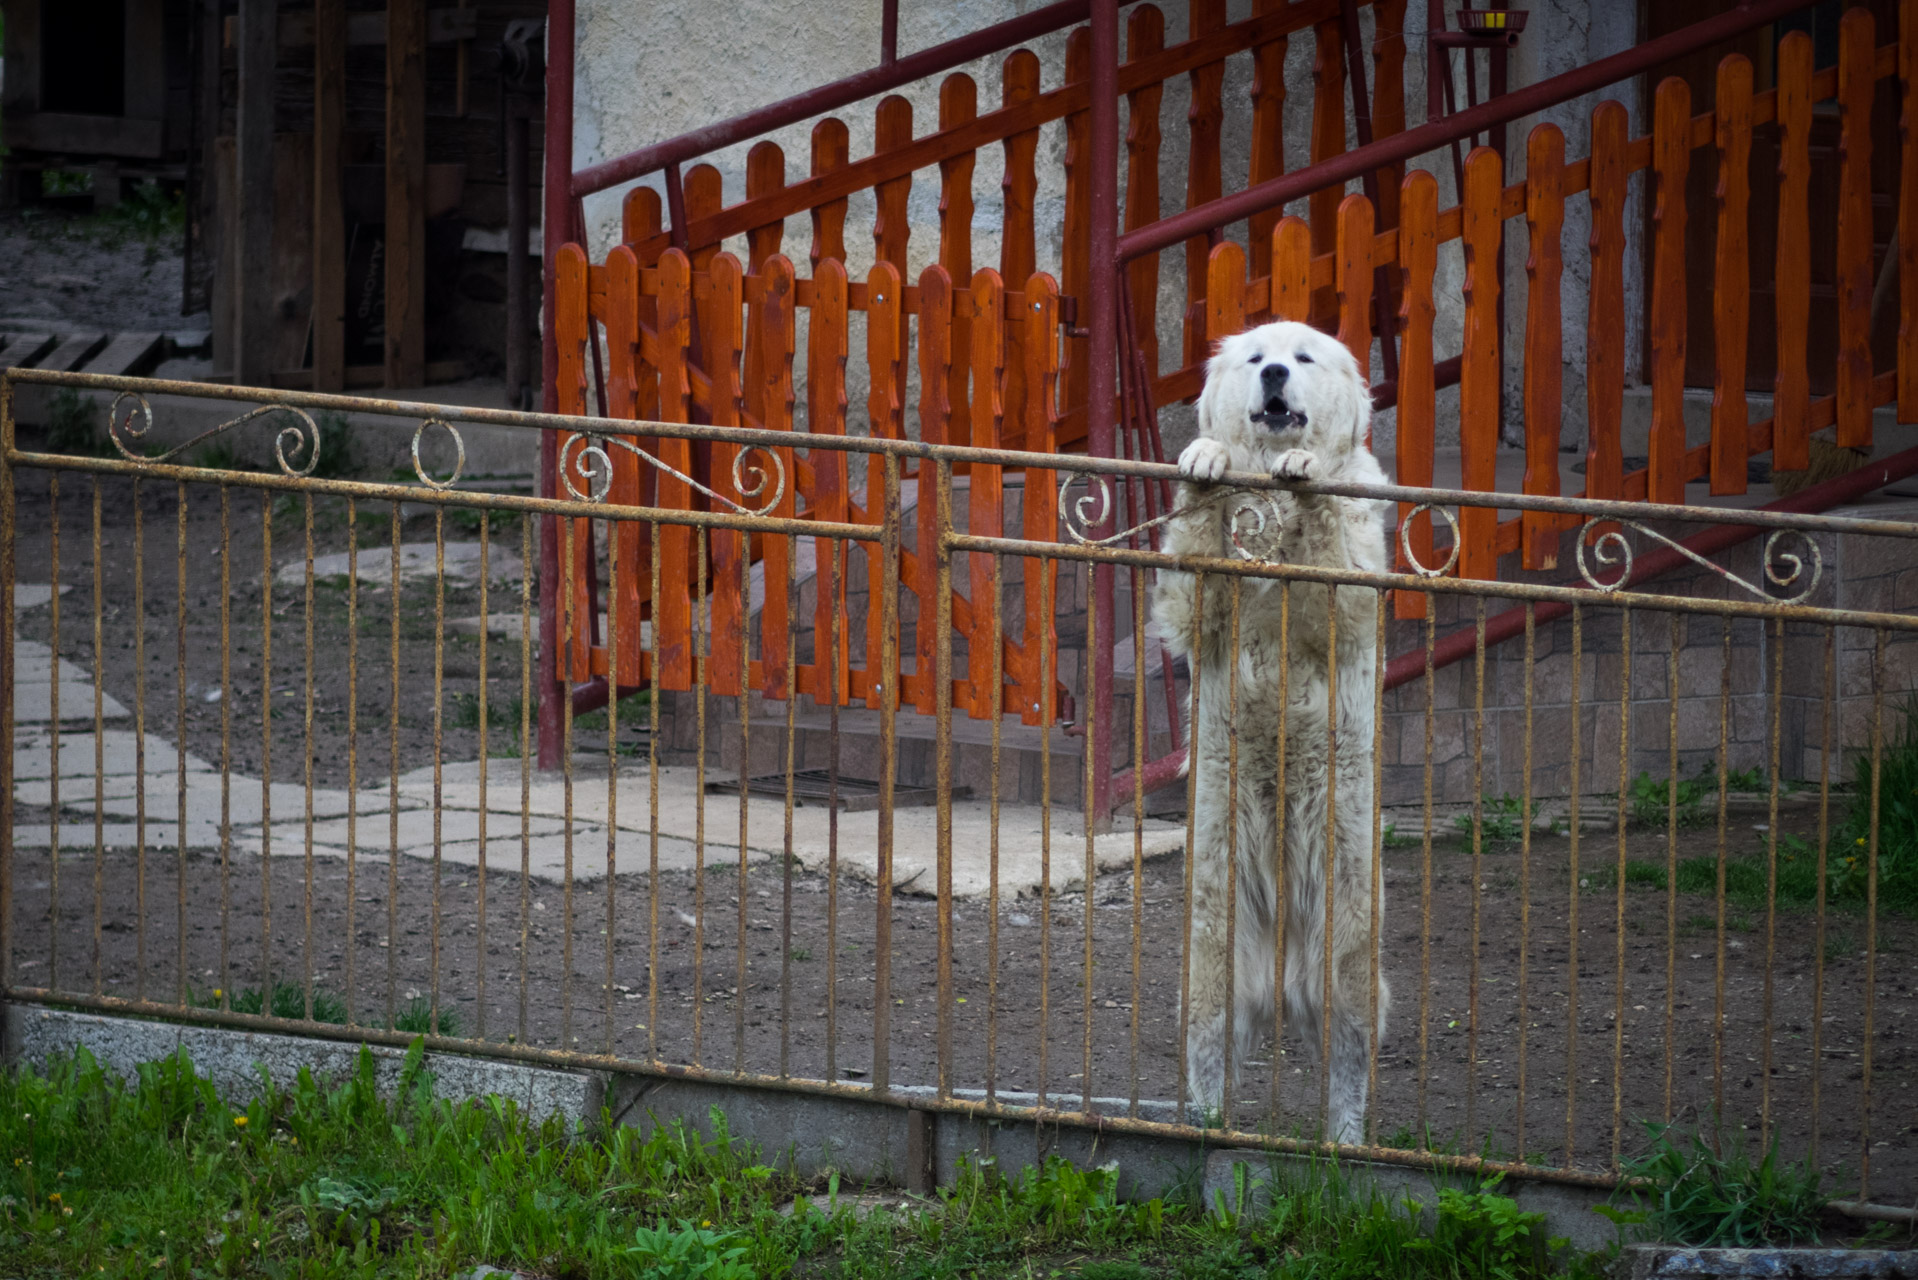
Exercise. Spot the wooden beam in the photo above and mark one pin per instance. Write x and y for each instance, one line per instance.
(329, 222)
(405, 193)
(253, 175)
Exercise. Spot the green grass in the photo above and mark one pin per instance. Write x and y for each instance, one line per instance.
(1897, 820)
(1695, 802)
(1724, 1199)
(289, 1001)
(1501, 820)
(162, 1177)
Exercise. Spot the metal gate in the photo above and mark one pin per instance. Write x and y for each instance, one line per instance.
(1673, 881)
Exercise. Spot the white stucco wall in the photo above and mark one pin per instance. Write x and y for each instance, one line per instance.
(650, 72)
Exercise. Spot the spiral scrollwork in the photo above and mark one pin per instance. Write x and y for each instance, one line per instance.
(1249, 518)
(584, 457)
(459, 461)
(1605, 549)
(1783, 569)
(1410, 555)
(131, 417)
(1088, 511)
(761, 477)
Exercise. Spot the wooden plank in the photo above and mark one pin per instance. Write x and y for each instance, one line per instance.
(1544, 334)
(1907, 232)
(827, 339)
(1291, 290)
(22, 350)
(1605, 312)
(705, 195)
(1328, 140)
(985, 515)
(253, 205)
(1075, 246)
(1204, 173)
(126, 355)
(1225, 290)
(405, 193)
(72, 351)
(1267, 160)
(1671, 161)
(1039, 504)
(958, 105)
(1017, 260)
(1353, 284)
(629, 587)
(885, 418)
(892, 130)
(1145, 38)
(1388, 97)
(765, 174)
(672, 612)
(1791, 389)
(329, 213)
(935, 361)
(1415, 428)
(831, 150)
(1854, 277)
(776, 339)
(1480, 374)
(729, 549)
(573, 659)
(1731, 274)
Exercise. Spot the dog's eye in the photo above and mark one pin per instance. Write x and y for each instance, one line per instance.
(1257, 357)
(1301, 357)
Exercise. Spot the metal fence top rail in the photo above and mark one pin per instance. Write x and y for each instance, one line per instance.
(1077, 466)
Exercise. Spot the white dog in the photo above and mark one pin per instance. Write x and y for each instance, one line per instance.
(1288, 401)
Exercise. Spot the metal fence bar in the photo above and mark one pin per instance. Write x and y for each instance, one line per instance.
(140, 748)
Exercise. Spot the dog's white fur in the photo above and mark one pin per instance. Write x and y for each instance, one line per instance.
(1322, 382)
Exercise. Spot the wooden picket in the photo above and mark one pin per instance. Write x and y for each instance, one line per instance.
(1857, 83)
(1731, 274)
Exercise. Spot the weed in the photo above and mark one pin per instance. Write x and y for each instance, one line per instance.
(1722, 1199)
(289, 1001)
(221, 456)
(337, 460)
(417, 1019)
(801, 954)
(73, 424)
(1840, 944)
(1897, 821)
(1393, 840)
(1485, 1234)
(1501, 819)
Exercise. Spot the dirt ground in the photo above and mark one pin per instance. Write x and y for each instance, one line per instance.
(112, 272)
(707, 1013)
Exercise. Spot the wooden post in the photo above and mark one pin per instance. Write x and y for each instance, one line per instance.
(405, 193)
(329, 222)
(253, 205)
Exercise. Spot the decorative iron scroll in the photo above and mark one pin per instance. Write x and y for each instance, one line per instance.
(1783, 569)
(303, 435)
(585, 454)
(1094, 507)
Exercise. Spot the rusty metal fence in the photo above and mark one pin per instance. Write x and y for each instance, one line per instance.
(1678, 914)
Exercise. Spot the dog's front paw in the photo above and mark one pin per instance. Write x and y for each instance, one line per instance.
(1294, 464)
(1204, 461)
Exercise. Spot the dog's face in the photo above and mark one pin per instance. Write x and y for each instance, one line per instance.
(1284, 386)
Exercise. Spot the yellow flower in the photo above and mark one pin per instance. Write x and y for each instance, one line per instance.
(1861, 842)
(705, 1222)
(217, 993)
(239, 1122)
(55, 1197)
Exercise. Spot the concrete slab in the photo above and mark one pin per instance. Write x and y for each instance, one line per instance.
(418, 560)
(33, 755)
(243, 802)
(32, 595)
(33, 679)
(1022, 833)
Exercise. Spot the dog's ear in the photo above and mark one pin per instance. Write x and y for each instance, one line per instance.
(1359, 396)
(1216, 378)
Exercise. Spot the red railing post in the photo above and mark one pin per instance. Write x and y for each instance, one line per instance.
(1102, 320)
(555, 218)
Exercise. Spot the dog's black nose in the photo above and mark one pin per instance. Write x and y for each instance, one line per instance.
(1273, 376)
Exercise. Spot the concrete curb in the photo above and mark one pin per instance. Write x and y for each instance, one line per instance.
(1656, 1261)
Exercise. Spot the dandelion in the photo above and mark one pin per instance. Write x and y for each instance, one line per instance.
(705, 1222)
(67, 1210)
(55, 1197)
(256, 1244)
(239, 1122)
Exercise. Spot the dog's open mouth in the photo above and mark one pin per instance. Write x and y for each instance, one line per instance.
(1278, 416)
